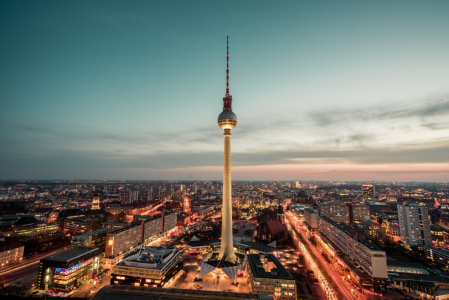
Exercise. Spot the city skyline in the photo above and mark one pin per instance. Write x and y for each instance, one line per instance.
(347, 91)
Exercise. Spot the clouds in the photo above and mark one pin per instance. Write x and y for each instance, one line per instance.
(361, 136)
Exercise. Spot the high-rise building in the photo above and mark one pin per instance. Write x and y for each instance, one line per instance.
(297, 184)
(186, 204)
(368, 190)
(135, 196)
(96, 202)
(414, 225)
(227, 120)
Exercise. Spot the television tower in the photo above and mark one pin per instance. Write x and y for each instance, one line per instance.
(227, 120)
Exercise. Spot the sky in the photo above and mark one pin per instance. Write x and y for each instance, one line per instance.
(323, 90)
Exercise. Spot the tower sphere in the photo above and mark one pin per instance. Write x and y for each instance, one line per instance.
(227, 120)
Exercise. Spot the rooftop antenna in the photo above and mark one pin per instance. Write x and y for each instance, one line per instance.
(227, 65)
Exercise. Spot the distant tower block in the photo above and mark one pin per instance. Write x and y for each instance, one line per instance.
(280, 214)
(186, 204)
(96, 202)
(227, 120)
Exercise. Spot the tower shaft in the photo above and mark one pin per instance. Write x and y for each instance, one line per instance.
(227, 244)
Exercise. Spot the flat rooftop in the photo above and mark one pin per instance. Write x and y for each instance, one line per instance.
(278, 272)
(124, 292)
(72, 253)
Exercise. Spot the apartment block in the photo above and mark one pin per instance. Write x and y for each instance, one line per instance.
(414, 225)
(345, 213)
(370, 258)
(339, 213)
(151, 228)
(11, 252)
(122, 240)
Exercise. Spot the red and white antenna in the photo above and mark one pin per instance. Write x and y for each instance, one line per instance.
(227, 65)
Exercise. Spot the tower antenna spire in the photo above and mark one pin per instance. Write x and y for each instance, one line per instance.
(227, 65)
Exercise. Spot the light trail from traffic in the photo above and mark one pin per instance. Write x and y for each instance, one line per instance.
(343, 291)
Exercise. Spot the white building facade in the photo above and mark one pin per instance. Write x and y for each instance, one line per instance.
(414, 225)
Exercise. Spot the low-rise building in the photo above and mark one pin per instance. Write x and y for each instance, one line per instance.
(423, 285)
(11, 252)
(29, 232)
(203, 210)
(114, 209)
(95, 238)
(406, 267)
(439, 257)
(151, 266)
(81, 225)
(268, 276)
(244, 231)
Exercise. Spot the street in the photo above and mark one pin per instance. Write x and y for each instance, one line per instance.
(343, 291)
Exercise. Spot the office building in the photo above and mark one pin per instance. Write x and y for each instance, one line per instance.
(368, 190)
(68, 269)
(414, 225)
(268, 276)
(23, 233)
(150, 266)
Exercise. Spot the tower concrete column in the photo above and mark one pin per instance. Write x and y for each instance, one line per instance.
(227, 244)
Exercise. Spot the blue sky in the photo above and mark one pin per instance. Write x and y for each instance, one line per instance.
(132, 89)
